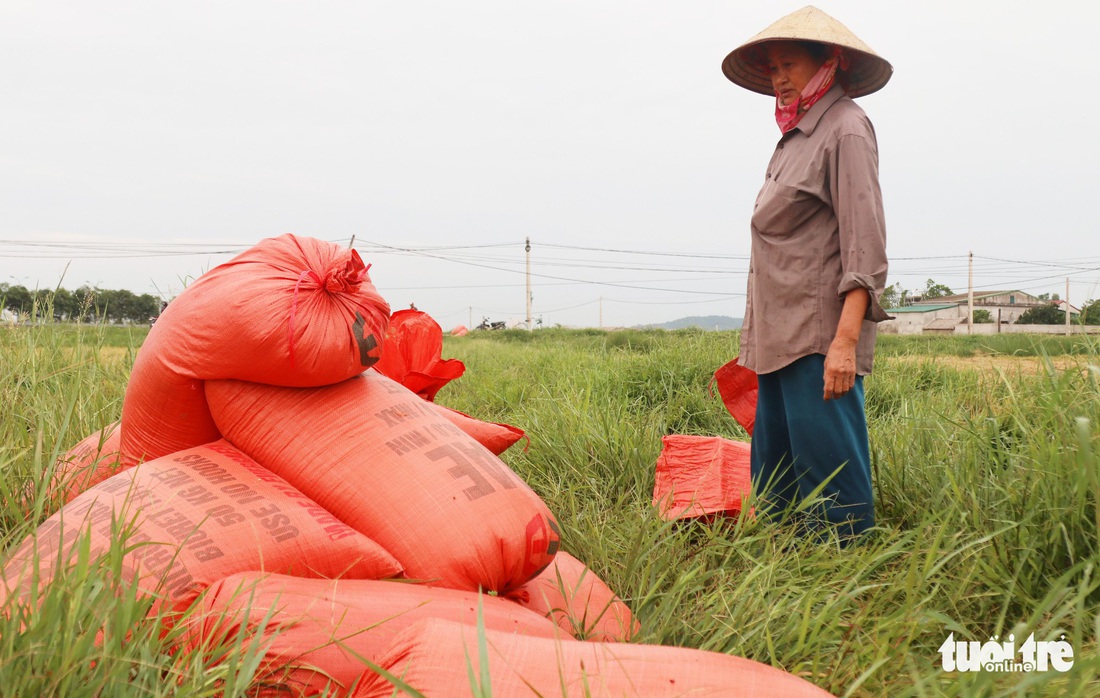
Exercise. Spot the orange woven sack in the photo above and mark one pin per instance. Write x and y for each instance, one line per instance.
(701, 476)
(91, 461)
(580, 602)
(494, 436)
(434, 657)
(738, 387)
(198, 516)
(387, 463)
(412, 351)
(289, 311)
(316, 633)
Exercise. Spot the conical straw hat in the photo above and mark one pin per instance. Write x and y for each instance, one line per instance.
(867, 71)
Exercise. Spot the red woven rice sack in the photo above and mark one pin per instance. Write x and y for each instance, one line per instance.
(434, 657)
(198, 516)
(738, 387)
(387, 463)
(289, 311)
(316, 633)
(494, 436)
(412, 351)
(700, 476)
(578, 601)
(91, 461)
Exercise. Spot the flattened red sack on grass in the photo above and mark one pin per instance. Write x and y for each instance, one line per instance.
(738, 387)
(700, 476)
(198, 516)
(91, 461)
(318, 629)
(433, 657)
(289, 311)
(387, 463)
(412, 354)
(580, 602)
(494, 436)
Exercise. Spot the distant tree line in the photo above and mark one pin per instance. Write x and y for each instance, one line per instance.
(1090, 312)
(897, 297)
(1052, 314)
(85, 303)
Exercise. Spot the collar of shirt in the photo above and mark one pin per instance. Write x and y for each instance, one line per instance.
(809, 122)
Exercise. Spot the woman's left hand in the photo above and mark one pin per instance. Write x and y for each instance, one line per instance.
(840, 368)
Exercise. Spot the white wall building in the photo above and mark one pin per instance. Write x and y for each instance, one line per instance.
(947, 313)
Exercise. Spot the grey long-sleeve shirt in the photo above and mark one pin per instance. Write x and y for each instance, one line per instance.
(818, 231)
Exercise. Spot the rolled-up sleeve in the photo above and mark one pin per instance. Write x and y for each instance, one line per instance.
(857, 203)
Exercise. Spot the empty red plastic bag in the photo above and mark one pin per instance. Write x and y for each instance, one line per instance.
(411, 354)
(700, 476)
(738, 387)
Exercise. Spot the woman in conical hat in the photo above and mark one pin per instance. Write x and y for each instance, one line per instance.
(817, 269)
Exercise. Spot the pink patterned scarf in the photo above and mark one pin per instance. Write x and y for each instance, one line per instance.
(788, 116)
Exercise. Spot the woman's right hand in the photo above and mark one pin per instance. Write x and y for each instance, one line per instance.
(840, 368)
(840, 361)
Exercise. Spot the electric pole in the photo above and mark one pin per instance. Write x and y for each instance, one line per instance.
(1068, 330)
(528, 249)
(970, 296)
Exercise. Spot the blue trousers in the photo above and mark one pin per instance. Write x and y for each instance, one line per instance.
(800, 439)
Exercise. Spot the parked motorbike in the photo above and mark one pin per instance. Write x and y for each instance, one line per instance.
(486, 325)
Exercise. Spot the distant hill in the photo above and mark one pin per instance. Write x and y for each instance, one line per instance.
(704, 322)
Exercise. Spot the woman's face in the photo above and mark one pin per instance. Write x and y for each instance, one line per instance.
(790, 66)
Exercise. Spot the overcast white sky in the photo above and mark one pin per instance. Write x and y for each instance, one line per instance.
(148, 141)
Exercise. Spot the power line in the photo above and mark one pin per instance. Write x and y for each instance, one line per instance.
(125, 249)
(1042, 264)
(706, 255)
(709, 300)
(480, 256)
(557, 278)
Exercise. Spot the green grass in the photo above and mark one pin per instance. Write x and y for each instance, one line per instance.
(987, 500)
(987, 485)
(994, 345)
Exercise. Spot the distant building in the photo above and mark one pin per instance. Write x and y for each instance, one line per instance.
(1073, 309)
(944, 314)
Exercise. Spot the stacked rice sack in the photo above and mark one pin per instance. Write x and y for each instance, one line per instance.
(265, 473)
(266, 355)
(437, 658)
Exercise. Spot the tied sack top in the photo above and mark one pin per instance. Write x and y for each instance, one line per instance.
(818, 231)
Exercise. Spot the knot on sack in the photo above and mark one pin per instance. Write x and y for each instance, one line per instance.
(306, 273)
(347, 279)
